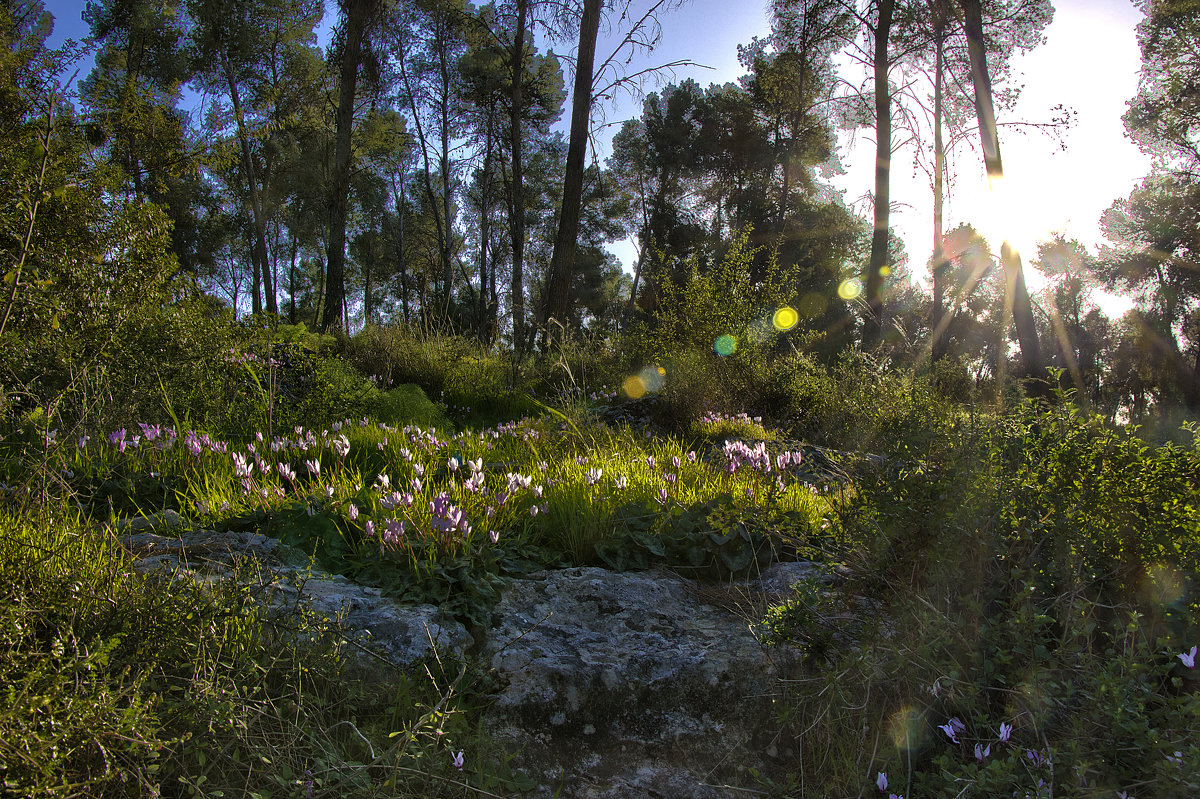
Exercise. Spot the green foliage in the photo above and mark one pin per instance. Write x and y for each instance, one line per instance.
(1043, 577)
(715, 539)
(118, 684)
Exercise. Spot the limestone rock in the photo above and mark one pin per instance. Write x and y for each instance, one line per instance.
(630, 684)
(388, 635)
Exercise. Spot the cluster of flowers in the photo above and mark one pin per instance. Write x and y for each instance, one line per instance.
(739, 453)
(712, 417)
(164, 438)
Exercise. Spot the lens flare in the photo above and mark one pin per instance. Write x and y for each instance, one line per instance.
(725, 345)
(634, 387)
(850, 288)
(1163, 584)
(785, 319)
(652, 378)
(906, 727)
(812, 305)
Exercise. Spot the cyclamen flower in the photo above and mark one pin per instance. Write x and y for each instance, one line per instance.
(621, 483)
(952, 728)
(981, 752)
(394, 531)
(476, 465)
(241, 469)
(118, 437)
(691, 456)
(662, 496)
(383, 482)
(313, 466)
(593, 476)
(82, 441)
(650, 462)
(458, 760)
(881, 781)
(1005, 731)
(351, 512)
(328, 492)
(340, 445)
(452, 464)
(581, 460)
(1188, 658)
(369, 528)
(419, 470)
(287, 472)
(675, 461)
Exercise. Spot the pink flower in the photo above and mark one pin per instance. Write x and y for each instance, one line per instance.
(458, 760)
(1005, 731)
(351, 511)
(1188, 658)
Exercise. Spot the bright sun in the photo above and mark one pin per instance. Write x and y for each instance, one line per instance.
(1013, 213)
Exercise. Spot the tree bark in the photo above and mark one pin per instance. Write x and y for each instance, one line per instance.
(339, 189)
(883, 164)
(1031, 352)
(938, 265)
(261, 265)
(565, 243)
(1022, 312)
(516, 199)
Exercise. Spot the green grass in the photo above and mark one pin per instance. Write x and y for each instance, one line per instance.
(1041, 573)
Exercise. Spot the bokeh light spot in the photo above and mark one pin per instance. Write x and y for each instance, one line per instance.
(850, 288)
(906, 728)
(652, 378)
(634, 387)
(812, 305)
(725, 345)
(885, 270)
(785, 319)
(1163, 584)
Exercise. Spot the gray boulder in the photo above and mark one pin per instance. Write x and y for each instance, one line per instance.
(632, 685)
(383, 634)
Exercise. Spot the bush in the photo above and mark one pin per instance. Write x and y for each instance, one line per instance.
(1045, 578)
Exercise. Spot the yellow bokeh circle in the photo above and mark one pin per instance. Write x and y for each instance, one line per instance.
(785, 319)
(849, 289)
(634, 387)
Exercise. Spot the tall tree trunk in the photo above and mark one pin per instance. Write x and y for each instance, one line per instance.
(485, 232)
(339, 188)
(938, 262)
(1031, 353)
(516, 198)
(398, 197)
(292, 282)
(1022, 313)
(447, 264)
(883, 164)
(562, 262)
(259, 257)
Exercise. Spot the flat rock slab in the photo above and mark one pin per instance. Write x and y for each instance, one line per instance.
(630, 685)
(388, 635)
